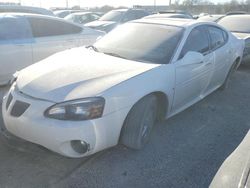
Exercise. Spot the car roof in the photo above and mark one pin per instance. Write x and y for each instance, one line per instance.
(123, 10)
(4, 15)
(81, 13)
(168, 15)
(19, 8)
(179, 22)
(238, 16)
(17, 14)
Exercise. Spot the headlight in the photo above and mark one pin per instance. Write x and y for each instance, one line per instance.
(77, 110)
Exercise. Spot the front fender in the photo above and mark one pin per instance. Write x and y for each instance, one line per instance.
(127, 93)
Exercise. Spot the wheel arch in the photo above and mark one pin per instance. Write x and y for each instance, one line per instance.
(162, 98)
(237, 62)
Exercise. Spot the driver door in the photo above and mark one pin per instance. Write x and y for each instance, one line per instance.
(192, 79)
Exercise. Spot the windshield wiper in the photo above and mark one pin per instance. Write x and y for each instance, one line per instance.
(114, 54)
(93, 47)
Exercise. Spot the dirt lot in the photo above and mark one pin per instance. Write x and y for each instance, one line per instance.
(185, 151)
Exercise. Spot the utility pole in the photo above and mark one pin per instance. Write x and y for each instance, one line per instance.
(67, 4)
(169, 2)
(155, 5)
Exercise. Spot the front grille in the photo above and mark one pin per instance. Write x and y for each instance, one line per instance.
(19, 108)
(9, 101)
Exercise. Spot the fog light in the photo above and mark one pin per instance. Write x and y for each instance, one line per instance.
(79, 146)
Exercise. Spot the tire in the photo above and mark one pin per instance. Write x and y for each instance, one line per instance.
(229, 74)
(139, 123)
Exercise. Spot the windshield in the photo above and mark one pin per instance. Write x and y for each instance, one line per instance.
(236, 23)
(144, 42)
(114, 16)
(71, 17)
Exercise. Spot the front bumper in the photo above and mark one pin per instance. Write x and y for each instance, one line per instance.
(57, 135)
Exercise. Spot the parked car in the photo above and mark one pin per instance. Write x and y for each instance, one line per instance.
(64, 13)
(26, 39)
(236, 13)
(176, 12)
(240, 27)
(25, 9)
(211, 18)
(234, 172)
(82, 17)
(116, 17)
(184, 16)
(142, 71)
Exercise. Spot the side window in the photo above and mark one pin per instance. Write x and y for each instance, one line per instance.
(218, 37)
(45, 27)
(12, 28)
(197, 41)
(130, 15)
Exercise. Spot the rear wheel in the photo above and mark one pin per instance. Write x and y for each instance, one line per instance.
(229, 74)
(139, 123)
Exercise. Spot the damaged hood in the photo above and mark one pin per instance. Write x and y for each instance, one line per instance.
(76, 73)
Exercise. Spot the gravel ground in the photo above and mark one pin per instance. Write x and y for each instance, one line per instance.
(184, 151)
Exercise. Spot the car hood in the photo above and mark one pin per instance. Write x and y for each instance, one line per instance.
(76, 73)
(242, 35)
(98, 24)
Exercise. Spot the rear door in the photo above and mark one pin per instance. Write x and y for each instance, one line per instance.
(15, 46)
(223, 55)
(52, 36)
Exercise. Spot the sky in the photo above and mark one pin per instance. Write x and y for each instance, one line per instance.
(94, 3)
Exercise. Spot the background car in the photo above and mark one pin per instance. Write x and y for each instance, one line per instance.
(142, 71)
(64, 13)
(236, 13)
(184, 16)
(187, 14)
(115, 17)
(211, 18)
(240, 27)
(25, 9)
(234, 172)
(27, 38)
(82, 17)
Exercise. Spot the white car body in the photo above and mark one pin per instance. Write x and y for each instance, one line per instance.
(18, 53)
(119, 81)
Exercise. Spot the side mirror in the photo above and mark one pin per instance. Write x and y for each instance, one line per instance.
(191, 58)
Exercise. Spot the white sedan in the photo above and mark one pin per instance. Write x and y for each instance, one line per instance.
(28, 38)
(81, 101)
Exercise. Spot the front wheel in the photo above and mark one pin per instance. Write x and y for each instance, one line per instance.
(138, 125)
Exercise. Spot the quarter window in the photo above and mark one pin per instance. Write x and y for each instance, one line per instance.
(197, 41)
(218, 37)
(46, 27)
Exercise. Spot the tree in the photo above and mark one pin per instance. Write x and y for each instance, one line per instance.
(247, 2)
(191, 2)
